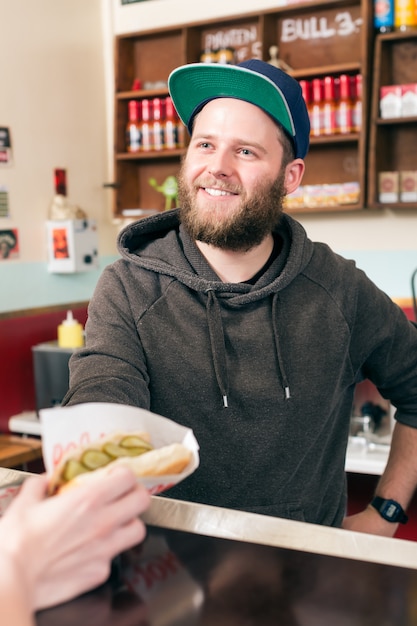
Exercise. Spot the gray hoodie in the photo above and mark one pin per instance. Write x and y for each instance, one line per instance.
(264, 374)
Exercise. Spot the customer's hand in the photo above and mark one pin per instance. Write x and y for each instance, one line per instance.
(63, 545)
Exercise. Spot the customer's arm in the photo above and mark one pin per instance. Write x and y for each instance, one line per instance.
(55, 548)
(15, 607)
(398, 483)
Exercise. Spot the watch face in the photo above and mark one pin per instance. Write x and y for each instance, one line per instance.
(390, 510)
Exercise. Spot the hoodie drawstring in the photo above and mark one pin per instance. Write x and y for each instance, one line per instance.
(218, 347)
(278, 347)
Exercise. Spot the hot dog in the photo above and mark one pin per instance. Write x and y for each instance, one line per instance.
(132, 449)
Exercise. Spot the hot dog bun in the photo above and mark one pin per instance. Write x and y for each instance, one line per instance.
(169, 459)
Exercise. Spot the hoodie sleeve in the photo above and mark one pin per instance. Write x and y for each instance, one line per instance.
(384, 343)
(111, 367)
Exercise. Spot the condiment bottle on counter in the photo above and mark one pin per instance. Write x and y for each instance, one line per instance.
(70, 333)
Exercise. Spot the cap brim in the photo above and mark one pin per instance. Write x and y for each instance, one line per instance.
(193, 85)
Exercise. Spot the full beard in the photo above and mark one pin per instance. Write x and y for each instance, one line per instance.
(240, 230)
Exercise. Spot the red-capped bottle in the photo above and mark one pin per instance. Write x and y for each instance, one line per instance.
(157, 126)
(306, 93)
(357, 103)
(329, 106)
(316, 122)
(133, 129)
(170, 126)
(344, 108)
(145, 127)
(180, 129)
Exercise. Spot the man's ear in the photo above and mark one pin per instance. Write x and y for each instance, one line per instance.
(294, 173)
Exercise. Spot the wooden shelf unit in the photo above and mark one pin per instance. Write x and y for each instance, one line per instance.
(392, 142)
(314, 38)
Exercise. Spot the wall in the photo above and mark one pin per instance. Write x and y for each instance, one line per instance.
(52, 78)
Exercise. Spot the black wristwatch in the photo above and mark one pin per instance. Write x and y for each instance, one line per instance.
(389, 510)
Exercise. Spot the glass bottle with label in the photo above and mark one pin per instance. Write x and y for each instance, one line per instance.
(306, 92)
(170, 126)
(357, 103)
(133, 132)
(316, 120)
(329, 106)
(145, 127)
(157, 130)
(344, 106)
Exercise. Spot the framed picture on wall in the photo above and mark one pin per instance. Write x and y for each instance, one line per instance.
(9, 244)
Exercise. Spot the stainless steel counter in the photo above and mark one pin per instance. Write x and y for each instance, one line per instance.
(208, 566)
(204, 566)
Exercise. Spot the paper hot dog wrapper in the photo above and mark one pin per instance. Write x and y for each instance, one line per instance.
(65, 428)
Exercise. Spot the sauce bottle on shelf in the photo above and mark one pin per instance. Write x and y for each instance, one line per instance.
(306, 93)
(208, 56)
(226, 56)
(316, 120)
(180, 129)
(357, 103)
(170, 126)
(344, 106)
(145, 127)
(133, 132)
(157, 129)
(329, 106)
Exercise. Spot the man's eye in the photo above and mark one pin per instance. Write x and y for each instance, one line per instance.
(246, 151)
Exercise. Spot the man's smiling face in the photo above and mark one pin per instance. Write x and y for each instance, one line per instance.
(232, 181)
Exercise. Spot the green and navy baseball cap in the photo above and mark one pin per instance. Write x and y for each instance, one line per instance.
(193, 85)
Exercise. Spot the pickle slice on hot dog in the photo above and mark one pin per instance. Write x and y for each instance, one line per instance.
(132, 449)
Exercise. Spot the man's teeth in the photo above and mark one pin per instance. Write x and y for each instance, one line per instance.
(217, 192)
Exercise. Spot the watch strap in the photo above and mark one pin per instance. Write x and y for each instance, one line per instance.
(390, 510)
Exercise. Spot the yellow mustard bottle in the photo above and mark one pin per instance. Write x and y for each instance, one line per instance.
(70, 333)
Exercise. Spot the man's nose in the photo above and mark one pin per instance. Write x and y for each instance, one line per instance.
(221, 164)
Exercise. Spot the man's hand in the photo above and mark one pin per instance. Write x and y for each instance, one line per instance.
(369, 521)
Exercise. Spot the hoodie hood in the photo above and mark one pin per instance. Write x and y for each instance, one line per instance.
(160, 244)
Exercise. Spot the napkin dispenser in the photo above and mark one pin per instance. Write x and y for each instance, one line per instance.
(72, 246)
(51, 373)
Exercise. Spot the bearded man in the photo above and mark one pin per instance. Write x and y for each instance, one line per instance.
(225, 317)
